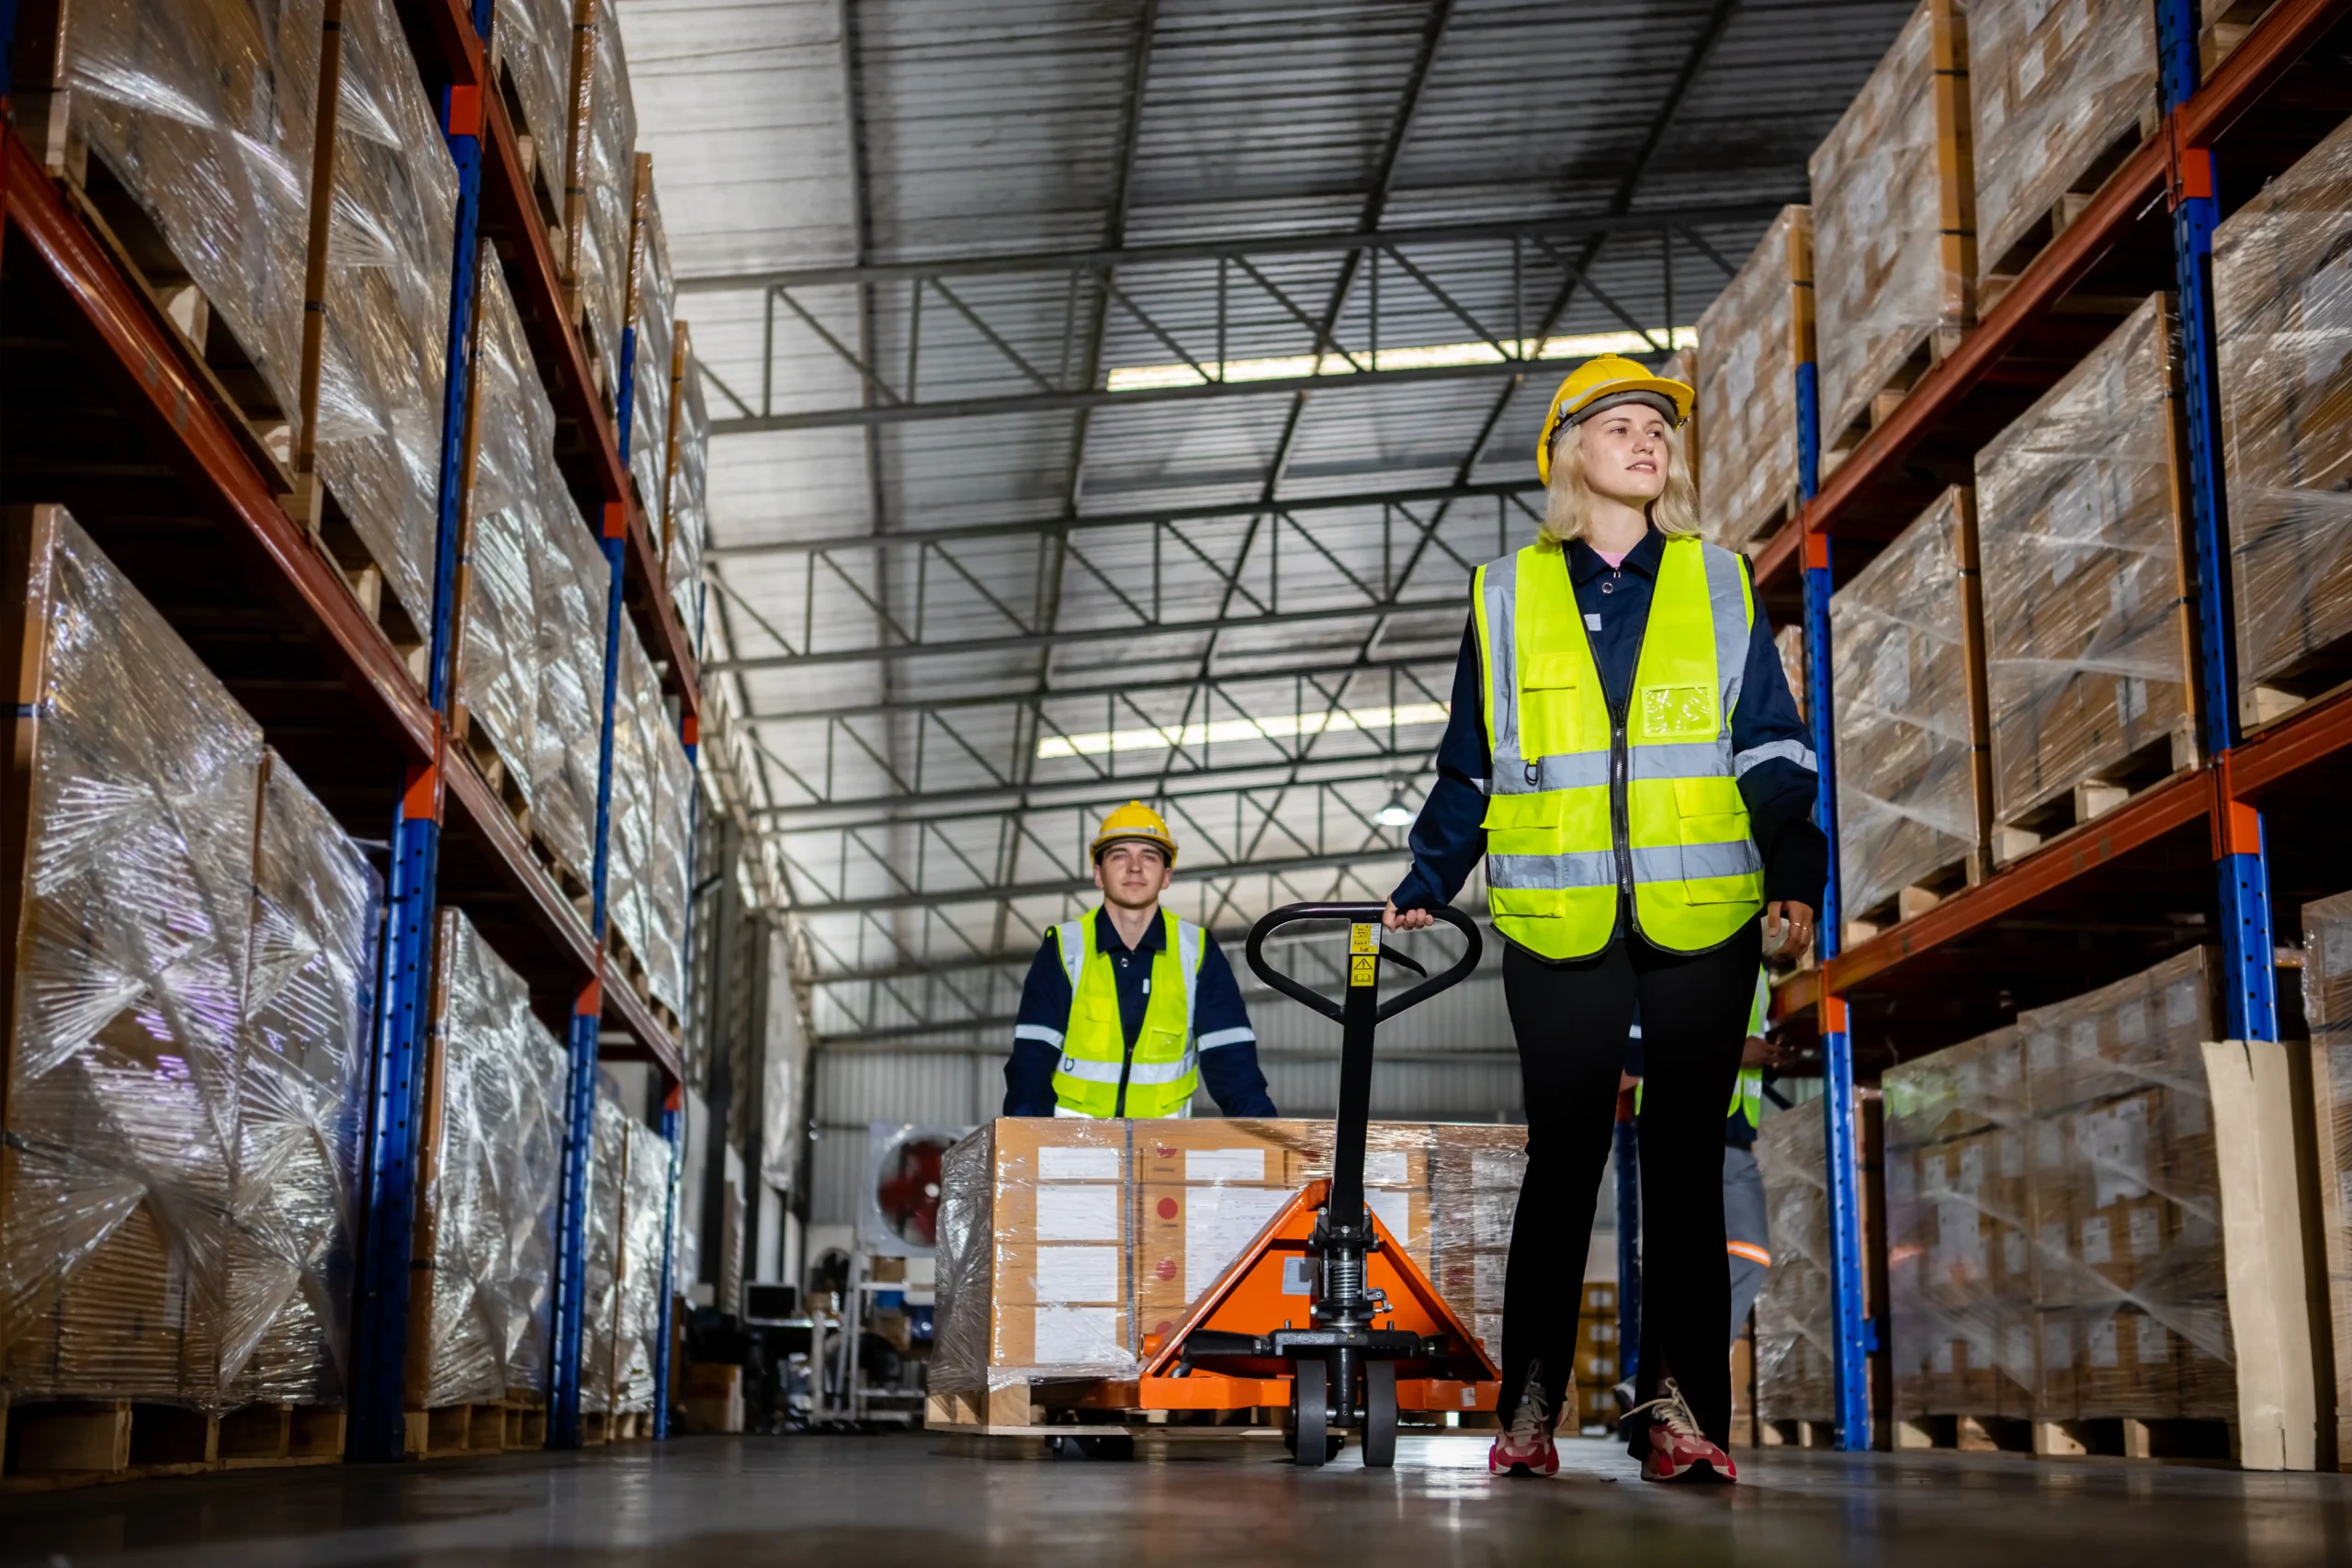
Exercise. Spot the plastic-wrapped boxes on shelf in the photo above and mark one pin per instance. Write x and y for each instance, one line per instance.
(652, 313)
(645, 1212)
(491, 1144)
(533, 588)
(531, 44)
(2283, 307)
(2327, 1008)
(1071, 1249)
(600, 1233)
(193, 128)
(1914, 800)
(1795, 1326)
(652, 797)
(188, 991)
(686, 524)
(2087, 628)
(1789, 641)
(600, 188)
(1751, 340)
(1894, 228)
(2059, 96)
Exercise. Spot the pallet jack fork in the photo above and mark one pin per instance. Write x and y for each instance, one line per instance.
(1375, 1335)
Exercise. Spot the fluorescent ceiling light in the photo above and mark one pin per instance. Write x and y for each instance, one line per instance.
(1135, 378)
(1276, 726)
(1396, 814)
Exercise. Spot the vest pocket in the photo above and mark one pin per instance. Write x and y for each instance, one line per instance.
(1714, 828)
(1548, 689)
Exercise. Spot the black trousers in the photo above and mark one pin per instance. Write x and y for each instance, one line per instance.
(1571, 1021)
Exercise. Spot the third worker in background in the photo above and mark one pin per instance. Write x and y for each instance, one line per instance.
(1129, 1010)
(1624, 755)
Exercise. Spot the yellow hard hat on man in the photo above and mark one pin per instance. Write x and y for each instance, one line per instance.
(1605, 381)
(1136, 821)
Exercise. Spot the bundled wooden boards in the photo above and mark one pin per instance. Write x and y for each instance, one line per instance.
(191, 956)
(2082, 540)
(2283, 313)
(1914, 760)
(1751, 342)
(287, 197)
(1894, 220)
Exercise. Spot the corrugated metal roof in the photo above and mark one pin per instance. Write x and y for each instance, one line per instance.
(804, 133)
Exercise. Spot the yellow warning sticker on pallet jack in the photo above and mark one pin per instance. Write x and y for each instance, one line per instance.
(1363, 970)
(1364, 938)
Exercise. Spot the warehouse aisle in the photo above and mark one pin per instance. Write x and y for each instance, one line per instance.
(876, 1502)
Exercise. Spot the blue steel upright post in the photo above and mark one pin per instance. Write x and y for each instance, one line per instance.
(2241, 866)
(380, 1328)
(1849, 1361)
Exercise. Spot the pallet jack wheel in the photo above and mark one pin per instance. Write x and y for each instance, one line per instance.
(1311, 1441)
(1379, 1414)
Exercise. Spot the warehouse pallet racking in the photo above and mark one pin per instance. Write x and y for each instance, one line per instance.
(2218, 852)
(188, 513)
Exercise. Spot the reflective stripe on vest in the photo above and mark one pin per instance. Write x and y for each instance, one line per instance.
(1577, 807)
(1159, 1074)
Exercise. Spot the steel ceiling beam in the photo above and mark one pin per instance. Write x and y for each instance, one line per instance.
(1090, 793)
(1310, 243)
(1068, 885)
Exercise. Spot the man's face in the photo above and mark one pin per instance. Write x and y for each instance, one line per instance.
(1132, 874)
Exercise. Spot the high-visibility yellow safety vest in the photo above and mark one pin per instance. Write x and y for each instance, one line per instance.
(1098, 1075)
(1580, 801)
(1748, 1090)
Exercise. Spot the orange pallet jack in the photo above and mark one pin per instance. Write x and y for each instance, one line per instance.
(1324, 1313)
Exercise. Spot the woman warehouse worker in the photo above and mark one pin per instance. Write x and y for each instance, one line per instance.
(1624, 752)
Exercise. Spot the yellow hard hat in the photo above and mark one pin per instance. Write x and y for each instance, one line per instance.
(1137, 821)
(1604, 382)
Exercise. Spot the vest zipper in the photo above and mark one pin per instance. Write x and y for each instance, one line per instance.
(1621, 767)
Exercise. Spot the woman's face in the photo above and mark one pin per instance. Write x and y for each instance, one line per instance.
(1624, 453)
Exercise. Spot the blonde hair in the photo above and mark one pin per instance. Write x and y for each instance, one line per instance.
(1568, 498)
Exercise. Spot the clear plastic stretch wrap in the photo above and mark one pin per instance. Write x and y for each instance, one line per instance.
(601, 185)
(1906, 776)
(206, 111)
(601, 1297)
(493, 1141)
(1795, 1331)
(2053, 89)
(2056, 1212)
(303, 1070)
(2084, 614)
(687, 527)
(656, 299)
(183, 1074)
(1072, 1248)
(2327, 1008)
(1750, 342)
(531, 664)
(534, 41)
(651, 803)
(384, 360)
(1790, 642)
(1890, 218)
(645, 1208)
(2282, 287)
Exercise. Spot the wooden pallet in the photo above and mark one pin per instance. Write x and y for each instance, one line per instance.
(601, 1428)
(1910, 902)
(626, 966)
(1787, 1434)
(2001, 274)
(2113, 1438)
(2223, 34)
(49, 1444)
(279, 440)
(2063, 810)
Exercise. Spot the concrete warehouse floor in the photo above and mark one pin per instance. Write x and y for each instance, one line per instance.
(820, 1502)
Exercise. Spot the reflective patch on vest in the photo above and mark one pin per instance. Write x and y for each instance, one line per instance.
(1669, 711)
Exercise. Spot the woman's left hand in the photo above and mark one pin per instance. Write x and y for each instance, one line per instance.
(1786, 915)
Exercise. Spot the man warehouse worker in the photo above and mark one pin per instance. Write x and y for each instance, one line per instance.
(1129, 1010)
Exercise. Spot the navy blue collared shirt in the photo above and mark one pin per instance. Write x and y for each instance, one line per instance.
(1771, 746)
(1228, 1046)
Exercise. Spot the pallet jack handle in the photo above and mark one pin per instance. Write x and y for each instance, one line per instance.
(1357, 1015)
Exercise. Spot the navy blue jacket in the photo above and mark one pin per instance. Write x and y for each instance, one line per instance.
(1229, 1046)
(1770, 745)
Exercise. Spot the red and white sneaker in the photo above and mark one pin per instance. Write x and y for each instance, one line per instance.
(1525, 1448)
(1677, 1450)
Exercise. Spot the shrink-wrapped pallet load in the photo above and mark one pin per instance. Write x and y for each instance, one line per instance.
(645, 1212)
(601, 1252)
(2282, 293)
(1071, 1249)
(192, 943)
(1893, 225)
(600, 187)
(651, 827)
(492, 1154)
(652, 311)
(1795, 1329)
(686, 525)
(1751, 340)
(1913, 809)
(532, 43)
(530, 668)
(2059, 95)
(1789, 642)
(2086, 631)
